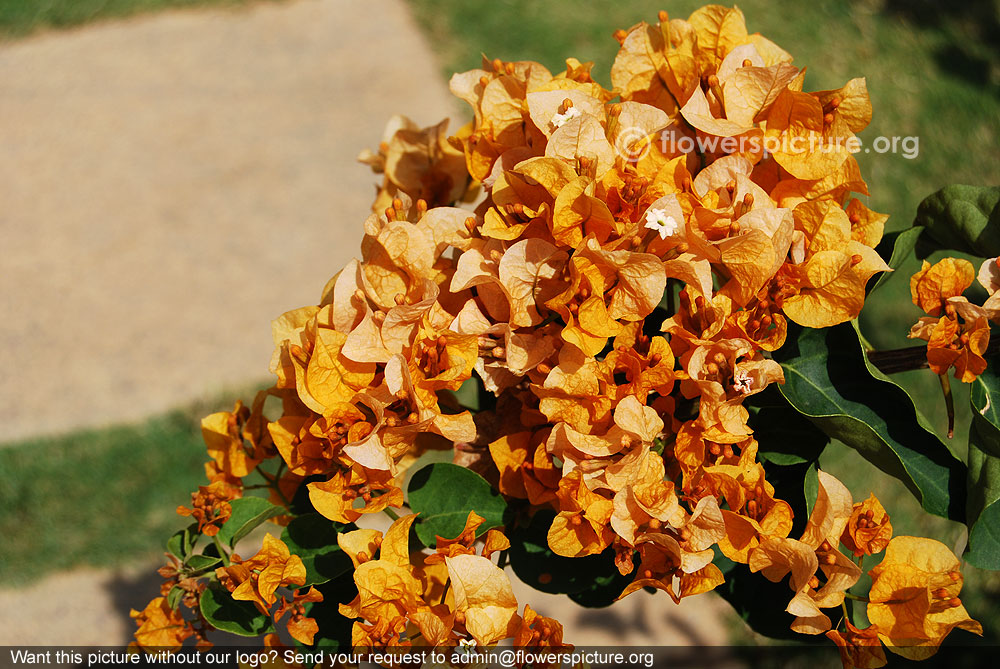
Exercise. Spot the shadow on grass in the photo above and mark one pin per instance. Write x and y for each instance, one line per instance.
(102, 498)
(134, 591)
(971, 32)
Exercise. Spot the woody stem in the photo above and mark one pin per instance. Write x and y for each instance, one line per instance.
(913, 357)
(275, 483)
(949, 403)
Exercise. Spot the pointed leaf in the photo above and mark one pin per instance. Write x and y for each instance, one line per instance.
(443, 494)
(314, 539)
(181, 542)
(203, 562)
(248, 513)
(829, 379)
(961, 218)
(894, 249)
(984, 472)
(784, 436)
(227, 614)
(175, 596)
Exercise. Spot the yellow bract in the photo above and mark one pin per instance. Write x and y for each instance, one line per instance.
(914, 597)
(605, 282)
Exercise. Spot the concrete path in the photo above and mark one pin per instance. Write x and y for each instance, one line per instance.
(170, 184)
(91, 607)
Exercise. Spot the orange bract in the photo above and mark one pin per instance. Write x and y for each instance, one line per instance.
(957, 332)
(914, 597)
(612, 298)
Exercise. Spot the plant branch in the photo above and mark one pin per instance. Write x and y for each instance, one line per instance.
(949, 403)
(898, 360)
(222, 552)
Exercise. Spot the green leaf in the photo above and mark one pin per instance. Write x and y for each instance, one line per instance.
(181, 542)
(797, 484)
(174, 597)
(829, 379)
(538, 566)
(605, 590)
(334, 628)
(229, 615)
(901, 245)
(810, 488)
(784, 436)
(983, 517)
(202, 562)
(961, 218)
(314, 539)
(468, 394)
(443, 494)
(430, 457)
(248, 513)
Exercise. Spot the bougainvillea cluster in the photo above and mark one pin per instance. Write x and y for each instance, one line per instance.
(615, 278)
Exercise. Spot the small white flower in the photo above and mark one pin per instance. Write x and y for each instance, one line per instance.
(659, 220)
(559, 120)
(742, 382)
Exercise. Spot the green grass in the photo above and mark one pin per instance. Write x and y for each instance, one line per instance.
(23, 17)
(97, 497)
(108, 496)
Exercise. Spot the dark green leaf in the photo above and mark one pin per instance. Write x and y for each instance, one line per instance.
(229, 615)
(791, 445)
(604, 591)
(443, 494)
(314, 539)
(535, 563)
(829, 379)
(181, 542)
(248, 513)
(300, 504)
(334, 629)
(202, 562)
(212, 550)
(895, 248)
(784, 436)
(795, 485)
(984, 472)
(961, 218)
